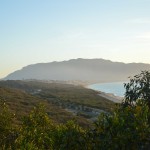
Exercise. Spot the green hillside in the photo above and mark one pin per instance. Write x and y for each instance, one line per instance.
(21, 103)
(65, 93)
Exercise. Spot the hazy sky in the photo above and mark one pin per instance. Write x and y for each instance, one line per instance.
(34, 31)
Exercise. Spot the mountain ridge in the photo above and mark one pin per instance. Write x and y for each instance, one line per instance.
(94, 70)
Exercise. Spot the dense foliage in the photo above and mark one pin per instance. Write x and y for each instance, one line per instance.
(127, 128)
(138, 88)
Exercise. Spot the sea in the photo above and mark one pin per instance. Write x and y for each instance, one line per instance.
(116, 88)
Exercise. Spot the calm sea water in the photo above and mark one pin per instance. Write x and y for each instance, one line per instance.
(117, 88)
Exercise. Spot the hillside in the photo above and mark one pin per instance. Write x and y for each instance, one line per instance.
(66, 93)
(91, 70)
(21, 103)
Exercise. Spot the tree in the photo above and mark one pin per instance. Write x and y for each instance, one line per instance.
(138, 88)
(36, 131)
(127, 128)
(70, 136)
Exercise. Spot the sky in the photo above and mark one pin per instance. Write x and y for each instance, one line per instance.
(40, 31)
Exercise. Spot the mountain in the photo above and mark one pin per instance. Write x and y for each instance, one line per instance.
(93, 70)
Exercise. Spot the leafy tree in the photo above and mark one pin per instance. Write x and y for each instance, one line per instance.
(70, 136)
(138, 88)
(126, 129)
(36, 131)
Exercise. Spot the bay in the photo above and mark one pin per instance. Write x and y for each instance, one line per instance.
(116, 88)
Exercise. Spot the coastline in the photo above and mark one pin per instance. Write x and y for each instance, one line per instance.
(109, 96)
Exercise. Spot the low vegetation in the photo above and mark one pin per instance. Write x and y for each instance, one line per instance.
(126, 128)
(21, 103)
(62, 92)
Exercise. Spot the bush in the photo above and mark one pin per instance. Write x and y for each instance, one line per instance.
(36, 131)
(8, 133)
(70, 136)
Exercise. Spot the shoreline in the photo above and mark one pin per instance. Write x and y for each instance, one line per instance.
(109, 96)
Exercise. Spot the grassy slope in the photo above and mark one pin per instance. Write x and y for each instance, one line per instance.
(63, 92)
(22, 103)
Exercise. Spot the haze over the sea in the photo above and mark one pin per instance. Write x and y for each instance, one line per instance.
(38, 31)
